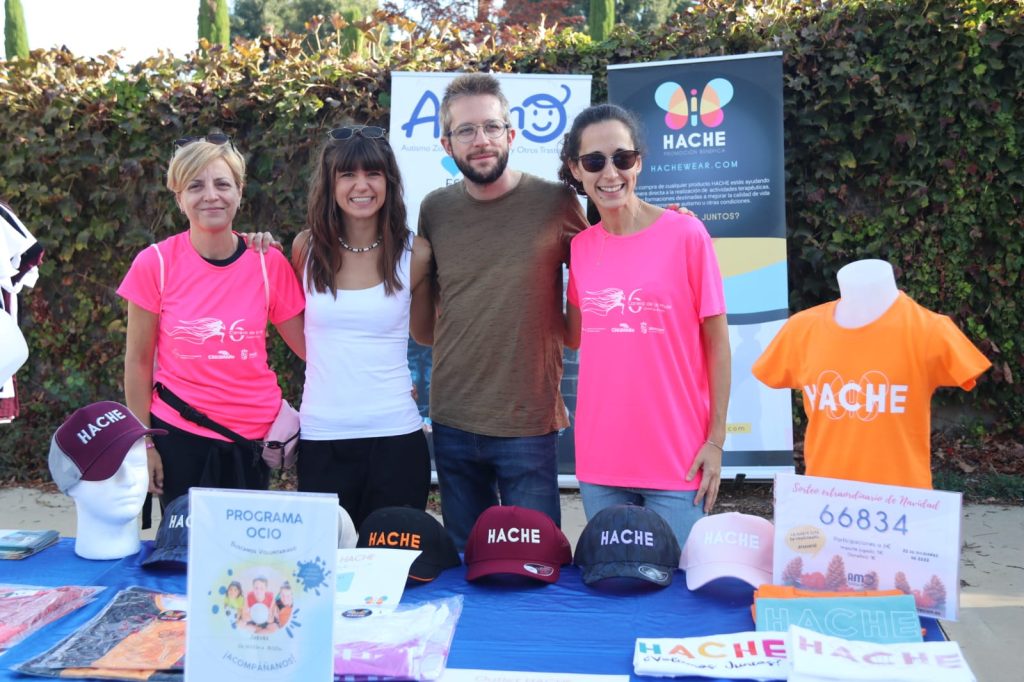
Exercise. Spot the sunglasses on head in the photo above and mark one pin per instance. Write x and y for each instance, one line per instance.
(624, 159)
(212, 138)
(348, 132)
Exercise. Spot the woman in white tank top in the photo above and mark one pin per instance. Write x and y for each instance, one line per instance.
(367, 283)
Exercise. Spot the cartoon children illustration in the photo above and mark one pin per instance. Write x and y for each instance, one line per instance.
(259, 602)
(283, 604)
(234, 602)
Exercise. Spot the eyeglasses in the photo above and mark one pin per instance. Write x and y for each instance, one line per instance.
(212, 138)
(624, 159)
(348, 132)
(467, 132)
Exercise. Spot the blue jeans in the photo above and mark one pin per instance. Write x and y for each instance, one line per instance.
(675, 506)
(475, 471)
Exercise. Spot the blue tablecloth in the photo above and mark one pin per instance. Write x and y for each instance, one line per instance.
(507, 623)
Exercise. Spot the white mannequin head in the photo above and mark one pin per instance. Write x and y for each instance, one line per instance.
(347, 535)
(98, 457)
(108, 510)
(867, 288)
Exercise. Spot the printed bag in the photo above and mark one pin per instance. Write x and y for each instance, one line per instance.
(282, 439)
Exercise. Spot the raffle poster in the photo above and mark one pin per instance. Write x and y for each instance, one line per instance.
(838, 535)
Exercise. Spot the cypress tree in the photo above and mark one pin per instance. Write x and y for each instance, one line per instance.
(15, 34)
(353, 40)
(601, 19)
(220, 33)
(205, 20)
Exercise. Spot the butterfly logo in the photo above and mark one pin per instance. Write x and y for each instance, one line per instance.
(682, 110)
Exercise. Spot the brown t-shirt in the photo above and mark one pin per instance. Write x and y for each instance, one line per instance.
(498, 341)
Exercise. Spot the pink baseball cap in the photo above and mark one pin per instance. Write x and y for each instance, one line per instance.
(507, 539)
(730, 545)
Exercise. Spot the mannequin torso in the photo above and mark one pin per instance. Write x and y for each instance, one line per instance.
(108, 510)
(867, 288)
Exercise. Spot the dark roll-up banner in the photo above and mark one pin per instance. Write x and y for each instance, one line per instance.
(713, 143)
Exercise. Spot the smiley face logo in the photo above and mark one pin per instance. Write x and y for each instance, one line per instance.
(541, 118)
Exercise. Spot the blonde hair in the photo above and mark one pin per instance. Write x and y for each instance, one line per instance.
(190, 160)
(469, 85)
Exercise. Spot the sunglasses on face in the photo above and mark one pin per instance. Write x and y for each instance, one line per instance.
(467, 132)
(624, 159)
(348, 132)
(212, 138)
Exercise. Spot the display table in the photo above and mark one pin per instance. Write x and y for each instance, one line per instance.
(507, 623)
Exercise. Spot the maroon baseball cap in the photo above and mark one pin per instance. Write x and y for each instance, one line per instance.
(93, 442)
(507, 539)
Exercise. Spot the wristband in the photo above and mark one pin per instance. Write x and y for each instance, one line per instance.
(149, 443)
(711, 442)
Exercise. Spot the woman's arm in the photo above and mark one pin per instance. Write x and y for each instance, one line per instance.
(718, 359)
(138, 380)
(293, 332)
(299, 247)
(573, 325)
(422, 312)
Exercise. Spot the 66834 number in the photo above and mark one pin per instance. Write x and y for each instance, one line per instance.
(864, 519)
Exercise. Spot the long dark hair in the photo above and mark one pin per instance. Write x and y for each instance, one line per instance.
(598, 113)
(326, 221)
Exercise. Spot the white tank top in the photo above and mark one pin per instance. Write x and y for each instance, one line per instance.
(357, 367)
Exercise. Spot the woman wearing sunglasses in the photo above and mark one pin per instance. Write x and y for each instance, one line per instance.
(647, 311)
(365, 276)
(199, 303)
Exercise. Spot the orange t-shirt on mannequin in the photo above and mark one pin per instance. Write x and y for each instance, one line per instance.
(867, 391)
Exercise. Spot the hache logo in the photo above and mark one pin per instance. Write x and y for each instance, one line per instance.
(872, 395)
(682, 110)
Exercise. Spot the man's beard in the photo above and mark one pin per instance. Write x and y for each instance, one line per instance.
(487, 178)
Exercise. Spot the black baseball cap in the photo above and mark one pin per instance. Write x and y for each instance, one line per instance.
(172, 536)
(409, 528)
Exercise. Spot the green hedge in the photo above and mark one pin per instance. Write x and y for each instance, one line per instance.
(903, 128)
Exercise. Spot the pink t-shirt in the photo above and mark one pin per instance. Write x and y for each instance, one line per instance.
(211, 346)
(643, 402)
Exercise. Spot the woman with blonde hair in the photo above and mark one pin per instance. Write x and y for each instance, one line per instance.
(198, 304)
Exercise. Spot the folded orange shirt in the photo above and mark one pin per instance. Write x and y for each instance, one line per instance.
(791, 592)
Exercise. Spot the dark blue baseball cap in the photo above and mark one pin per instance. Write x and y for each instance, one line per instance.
(627, 541)
(172, 536)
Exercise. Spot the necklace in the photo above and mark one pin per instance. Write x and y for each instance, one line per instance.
(361, 249)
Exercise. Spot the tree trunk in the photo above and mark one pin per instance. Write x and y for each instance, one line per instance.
(483, 11)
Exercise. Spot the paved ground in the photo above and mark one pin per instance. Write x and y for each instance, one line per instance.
(992, 571)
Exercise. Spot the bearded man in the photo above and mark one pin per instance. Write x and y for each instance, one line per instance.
(499, 240)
